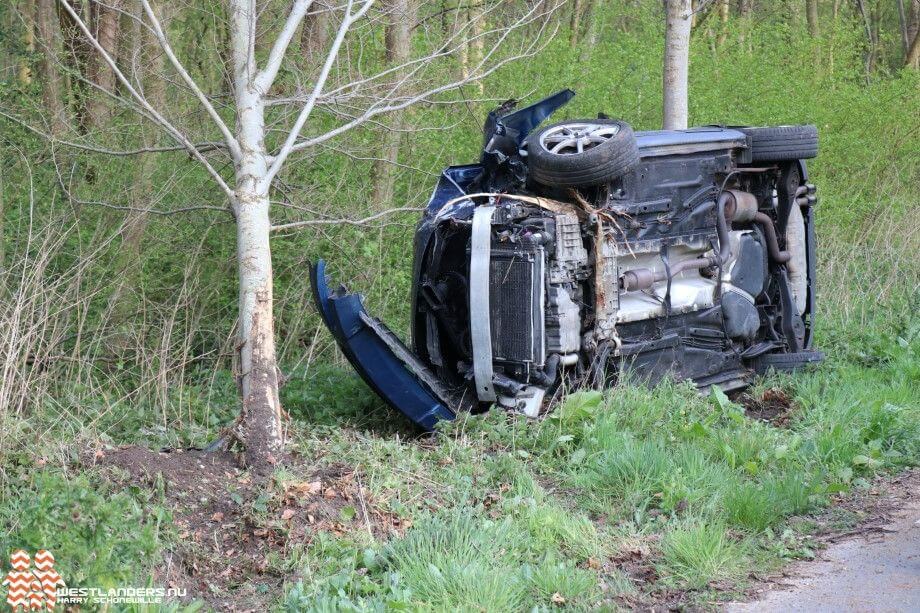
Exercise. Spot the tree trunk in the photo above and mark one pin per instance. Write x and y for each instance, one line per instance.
(723, 22)
(913, 53)
(811, 14)
(477, 44)
(261, 430)
(870, 51)
(2, 225)
(314, 35)
(913, 20)
(99, 72)
(902, 22)
(398, 41)
(396, 33)
(24, 74)
(676, 64)
(52, 84)
(575, 25)
(745, 10)
(150, 62)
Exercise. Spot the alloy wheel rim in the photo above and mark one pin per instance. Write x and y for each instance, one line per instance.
(576, 138)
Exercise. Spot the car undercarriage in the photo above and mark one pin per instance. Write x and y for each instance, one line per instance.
(582, 252)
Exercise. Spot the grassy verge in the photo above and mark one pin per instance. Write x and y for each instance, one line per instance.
(615, 496)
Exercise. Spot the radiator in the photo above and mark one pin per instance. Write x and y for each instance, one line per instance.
(516, 304)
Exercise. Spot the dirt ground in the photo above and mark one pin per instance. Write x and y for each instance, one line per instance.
(229, 534)
(873, 567)
(232, 539)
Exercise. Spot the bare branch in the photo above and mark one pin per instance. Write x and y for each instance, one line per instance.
(347, 222)
(286, 149)
(203, 147)
(267, 76)
(172, 130)
(167, 49)
(406, 102)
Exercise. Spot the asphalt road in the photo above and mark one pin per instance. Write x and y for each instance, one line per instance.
(878, 572)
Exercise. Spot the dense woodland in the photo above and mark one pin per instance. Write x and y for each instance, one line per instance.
(124, 269)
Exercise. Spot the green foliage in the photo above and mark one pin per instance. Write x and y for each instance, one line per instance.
(99, 537)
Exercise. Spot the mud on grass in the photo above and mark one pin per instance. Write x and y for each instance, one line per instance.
(233, 535)
(773, 405)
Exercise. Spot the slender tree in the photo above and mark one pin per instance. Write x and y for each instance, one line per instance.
(396, 34)
(258, 151)
(105, 16)
(676, 64)
(28, 43)
(314, 35)
(52, 84)
(811, 14)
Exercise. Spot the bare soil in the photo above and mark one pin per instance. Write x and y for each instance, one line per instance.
(774, 406)
(235, 532)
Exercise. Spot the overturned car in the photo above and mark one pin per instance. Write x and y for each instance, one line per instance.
(582, 252)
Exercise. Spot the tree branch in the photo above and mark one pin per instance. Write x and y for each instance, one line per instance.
(167, 49)
(347, 222)
(286, 149)
(164, 123)
(203, 147)
(266, 77)
(409, 101)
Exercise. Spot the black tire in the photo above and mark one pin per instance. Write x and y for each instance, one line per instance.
(782, 143)
(602, 163)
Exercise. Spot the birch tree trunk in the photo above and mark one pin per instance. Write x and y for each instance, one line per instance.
(676, 64)
(261, 415)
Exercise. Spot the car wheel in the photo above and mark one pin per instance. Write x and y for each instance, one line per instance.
(783, 143)
(581, 153)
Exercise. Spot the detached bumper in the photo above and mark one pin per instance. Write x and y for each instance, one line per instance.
(377, 354)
